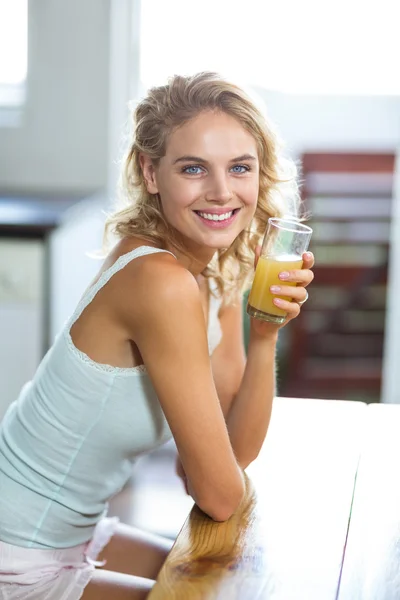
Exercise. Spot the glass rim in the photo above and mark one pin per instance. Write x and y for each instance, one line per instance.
(298, 227)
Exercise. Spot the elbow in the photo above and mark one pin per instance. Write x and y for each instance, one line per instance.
(221, 513)
(221, 509)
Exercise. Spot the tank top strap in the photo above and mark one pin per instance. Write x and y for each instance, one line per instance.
(214, 325)
(119, 264)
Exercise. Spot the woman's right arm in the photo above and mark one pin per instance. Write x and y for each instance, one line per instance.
(167, 324)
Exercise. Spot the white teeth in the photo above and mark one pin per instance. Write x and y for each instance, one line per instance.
(211, 217)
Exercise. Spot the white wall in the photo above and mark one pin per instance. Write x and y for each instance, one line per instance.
(328, 122)
(82, 228)
(61, 144)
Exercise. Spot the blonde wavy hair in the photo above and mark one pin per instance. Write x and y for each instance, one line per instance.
(139, 213)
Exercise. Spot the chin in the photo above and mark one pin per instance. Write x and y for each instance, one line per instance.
(213, 240)
(219, 242)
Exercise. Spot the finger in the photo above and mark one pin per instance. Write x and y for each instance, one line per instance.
(302, 276)
(291, 308)
(298, 293)
(308, 260)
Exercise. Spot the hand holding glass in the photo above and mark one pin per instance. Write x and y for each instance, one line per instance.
(283, 246)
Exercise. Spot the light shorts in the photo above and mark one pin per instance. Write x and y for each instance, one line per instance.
(35, 574)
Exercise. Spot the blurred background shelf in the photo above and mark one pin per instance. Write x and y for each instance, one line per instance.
(336, 347)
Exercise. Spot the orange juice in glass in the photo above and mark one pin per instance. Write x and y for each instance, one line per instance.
(284, 243)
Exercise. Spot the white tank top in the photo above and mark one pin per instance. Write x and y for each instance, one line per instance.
(68, 442)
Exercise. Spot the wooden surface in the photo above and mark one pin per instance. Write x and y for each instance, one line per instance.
(371, 568)
(287, 540)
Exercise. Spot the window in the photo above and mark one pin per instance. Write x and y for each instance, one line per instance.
(341, 47)
(13, 51)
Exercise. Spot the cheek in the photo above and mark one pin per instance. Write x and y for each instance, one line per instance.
(180, 195)
(174, 203)
(251, 200)
(250, 193)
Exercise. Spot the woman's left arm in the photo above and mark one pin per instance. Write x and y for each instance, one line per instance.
(246, 387)
(228, 360)
(247, 413)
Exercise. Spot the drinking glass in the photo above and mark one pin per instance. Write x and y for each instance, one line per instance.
(284, 243)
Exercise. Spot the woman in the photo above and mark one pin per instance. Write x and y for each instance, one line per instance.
(153, 349)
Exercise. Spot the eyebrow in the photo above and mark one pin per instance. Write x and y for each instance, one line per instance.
(190, 158)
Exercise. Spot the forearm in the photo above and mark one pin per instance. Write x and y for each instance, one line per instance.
(250, 411)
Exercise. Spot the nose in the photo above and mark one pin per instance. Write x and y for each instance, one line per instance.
(219, 189)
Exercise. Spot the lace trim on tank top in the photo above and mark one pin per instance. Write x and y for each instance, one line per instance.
(214, 328)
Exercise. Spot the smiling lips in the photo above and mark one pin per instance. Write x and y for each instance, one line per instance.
(217, 218)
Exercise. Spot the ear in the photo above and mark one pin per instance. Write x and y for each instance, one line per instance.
(149, 174)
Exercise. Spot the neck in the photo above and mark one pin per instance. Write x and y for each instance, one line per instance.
(194, 259)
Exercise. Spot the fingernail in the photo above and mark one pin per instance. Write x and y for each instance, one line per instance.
(309, 255)
(284, 275)
(275, 289)
(278, 301)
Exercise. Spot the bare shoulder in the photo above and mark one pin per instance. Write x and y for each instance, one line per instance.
(155, 285)
(162, 273)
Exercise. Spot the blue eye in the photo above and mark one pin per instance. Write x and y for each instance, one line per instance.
(191, 170)
(240, 169)
(197, 169)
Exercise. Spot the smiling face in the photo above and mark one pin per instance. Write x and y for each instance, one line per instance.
(208, 180)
